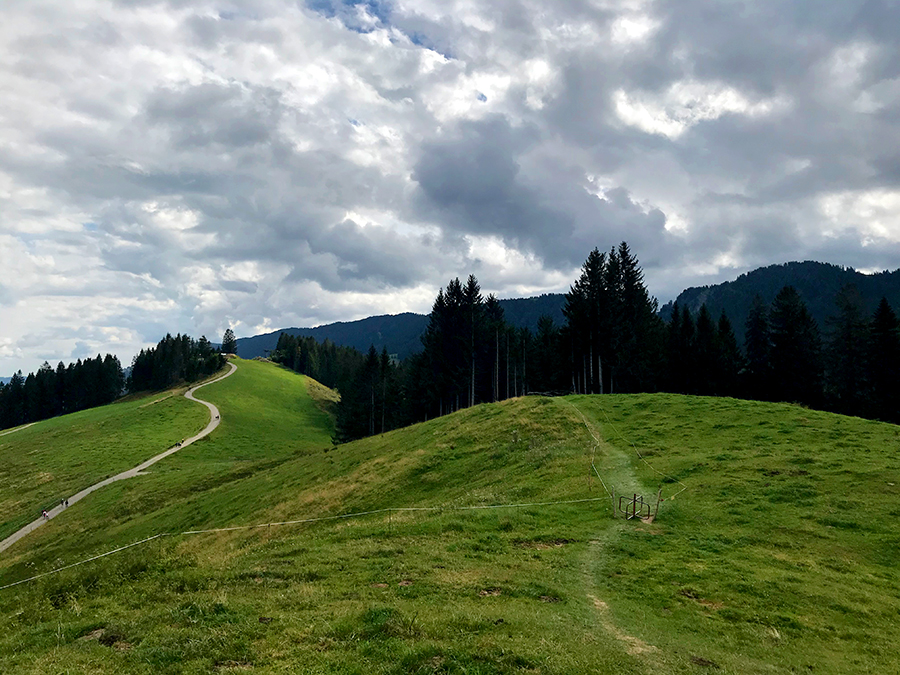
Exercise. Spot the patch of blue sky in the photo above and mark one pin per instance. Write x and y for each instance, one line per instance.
(90, 227)
(422, 40)
(481, 97)
(345, 10)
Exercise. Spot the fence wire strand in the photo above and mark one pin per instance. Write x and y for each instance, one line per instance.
(358, 514)
(389, 510)
(638, 452)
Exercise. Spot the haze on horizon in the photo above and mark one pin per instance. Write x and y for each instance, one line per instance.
(186, 167)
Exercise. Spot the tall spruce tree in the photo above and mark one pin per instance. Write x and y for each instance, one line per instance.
(796, 350)
(758, 349)
(847, 373)
(706, 353)
(229, 343)
(612, 333)
(731, 361)
(884, 362)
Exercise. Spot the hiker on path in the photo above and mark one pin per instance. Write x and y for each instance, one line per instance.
(45, 515)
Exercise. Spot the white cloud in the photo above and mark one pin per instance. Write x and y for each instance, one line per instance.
(873, 214)
(186, 167)
(686, 104)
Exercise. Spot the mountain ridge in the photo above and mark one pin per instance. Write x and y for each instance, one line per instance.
(817, 283)
(400, 333)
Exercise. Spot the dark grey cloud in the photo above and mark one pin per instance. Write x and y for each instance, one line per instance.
(258, 164)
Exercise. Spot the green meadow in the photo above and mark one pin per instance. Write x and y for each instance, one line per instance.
(780, 555)
(55, 458)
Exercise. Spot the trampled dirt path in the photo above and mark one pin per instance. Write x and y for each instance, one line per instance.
(131, 473)
(11, 431)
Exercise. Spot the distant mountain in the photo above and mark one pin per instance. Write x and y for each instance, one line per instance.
(400, 333)
(818, 284)
(4, 380)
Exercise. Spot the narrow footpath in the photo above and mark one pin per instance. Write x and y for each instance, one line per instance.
(131, 473)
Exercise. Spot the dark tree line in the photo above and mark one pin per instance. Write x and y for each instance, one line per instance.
(173, 360)
(48, 392)
(613, 341)
(852, 370)
(469, 355)
(325, 362)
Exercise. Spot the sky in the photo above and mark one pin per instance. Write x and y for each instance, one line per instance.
(193, 166)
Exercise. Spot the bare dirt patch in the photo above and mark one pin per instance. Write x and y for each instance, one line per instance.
(695, 596)
(706, 663)
(542, 545)
(634, 646)
(489, 592)
(157, 400)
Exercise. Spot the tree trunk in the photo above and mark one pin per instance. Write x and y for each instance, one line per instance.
(497, 365)
(600, 368)
(591, 385)
(524, 359)
(507, 364)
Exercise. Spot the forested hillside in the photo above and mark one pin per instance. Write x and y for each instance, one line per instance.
(817, 283)
(48, 392)
(174, 359)
(399, 334)
(614, 341)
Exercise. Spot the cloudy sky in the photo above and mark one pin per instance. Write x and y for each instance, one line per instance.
(189, 166)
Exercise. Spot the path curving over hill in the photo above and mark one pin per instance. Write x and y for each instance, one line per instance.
(130, 473)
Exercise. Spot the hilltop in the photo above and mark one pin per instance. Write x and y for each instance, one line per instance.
(771, 551)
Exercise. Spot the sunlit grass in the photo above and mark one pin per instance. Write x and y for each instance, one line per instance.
(779, 556)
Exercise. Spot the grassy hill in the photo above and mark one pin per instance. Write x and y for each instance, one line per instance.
(780, 556)
(44, 462)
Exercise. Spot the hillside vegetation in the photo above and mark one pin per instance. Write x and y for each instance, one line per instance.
(53, 459)
(818, 284)
(778, 557)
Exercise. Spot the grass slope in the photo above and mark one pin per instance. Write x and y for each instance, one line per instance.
(780, 556)
(53, 459)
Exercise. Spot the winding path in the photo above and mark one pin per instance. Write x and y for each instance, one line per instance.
(130, 473)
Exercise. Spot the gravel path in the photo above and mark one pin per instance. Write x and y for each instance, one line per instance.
(131, 473)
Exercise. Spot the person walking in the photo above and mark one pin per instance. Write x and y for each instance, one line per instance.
(45, 515)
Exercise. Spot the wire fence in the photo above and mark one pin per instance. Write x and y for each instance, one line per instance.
(638, 452)
(388, 510)
(301, 521)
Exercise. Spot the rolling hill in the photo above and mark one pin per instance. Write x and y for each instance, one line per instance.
(483, 542)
